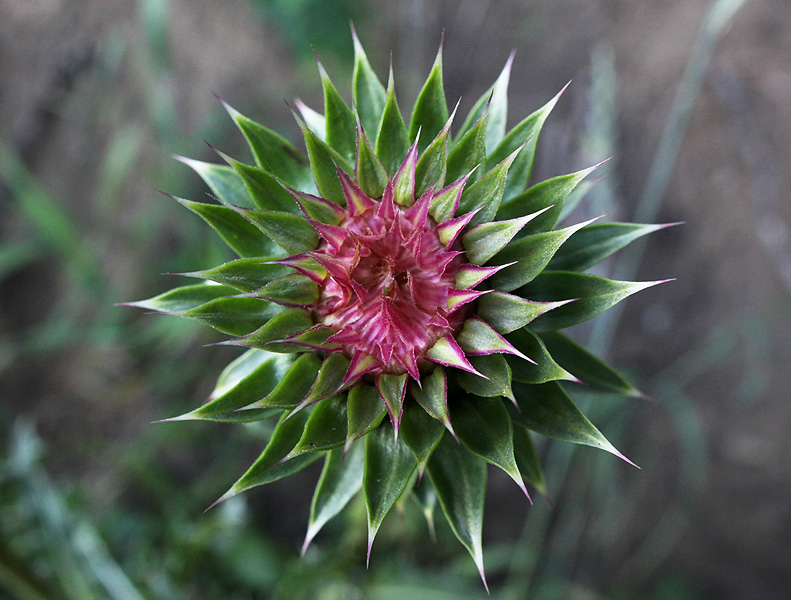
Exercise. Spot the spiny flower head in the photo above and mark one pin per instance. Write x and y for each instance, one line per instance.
(406, 272)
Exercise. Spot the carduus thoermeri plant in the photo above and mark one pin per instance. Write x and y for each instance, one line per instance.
(400, 291)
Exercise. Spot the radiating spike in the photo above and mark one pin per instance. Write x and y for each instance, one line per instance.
(478, 338)
(337, 268)
(361, 363)
(357, 202)
(404, 180)
(470, 275)
(304, 264)
(446, 201)
(458, 298)
(447, 352)
(418, 212)
(448, 231)
(332, 234)
(392, 390)
(387, 209)
(310, 205)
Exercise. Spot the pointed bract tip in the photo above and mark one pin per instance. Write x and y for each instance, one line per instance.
(522, 487)
(229, 494)
(184, 417)
(306, 544)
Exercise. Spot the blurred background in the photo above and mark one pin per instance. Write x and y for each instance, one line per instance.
(691, 98)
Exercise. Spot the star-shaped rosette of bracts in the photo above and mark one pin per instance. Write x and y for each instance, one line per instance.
(400, 292)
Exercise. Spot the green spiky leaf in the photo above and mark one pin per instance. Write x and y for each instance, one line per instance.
(294, 385)
(325, 429)
(498, 377)
(289, 231)
(225, 183)
(368, 92)
(241, 236)
(421, 433)
(340, 119)
(468, 152)
(234, 316)
(486, 194)
(594, 243)
(365, 410)
(431, 111)
(524, 134)
(388, 470)
(341, 479)
(547, 409)
(273, 153)
(269, 466)
(548, 196)
(243, 274)
(283, 325)
(594, 295)
(527, 458)
(530, 255)
(392, 140)
(546, 368)
(459, 478)
(587, 367)
(485, 429)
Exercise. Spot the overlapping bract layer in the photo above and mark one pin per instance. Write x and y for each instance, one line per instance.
(399, 270)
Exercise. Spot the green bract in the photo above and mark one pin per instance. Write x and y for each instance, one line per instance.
(400, 291)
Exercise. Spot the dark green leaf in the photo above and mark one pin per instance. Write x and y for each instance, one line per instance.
(371, 175)
(546, 369)
(468, 152)
(248, 390)
(525, 133)
(294, 385)
(495, 102)
(527, 458)
(242, 237)
(484, 427)
(286, 435)
(183, 298)
(430, 169)
(484, 241)
(594, 243)
(325, 428)
(341, 479)
(493, 366)
(507, 313)
(547, 196)
(341, 124)
(433, 396)
(388, 469)
(234, 316)
(274, 153)
(223, 181)
(459, 478)
(265, 190)
(421, 433)
(244, 274)
(365, 411)
(530, 255)
(289, 322)
(289, 231)
(290, 290)
(392, 141)
(324, 160)
(367, 91)
(431, 111)
(587, 367)
(594, 294)
(392, 389)
(548, 410)
(487, 193)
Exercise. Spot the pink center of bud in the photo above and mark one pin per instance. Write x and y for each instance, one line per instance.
(387, 291)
